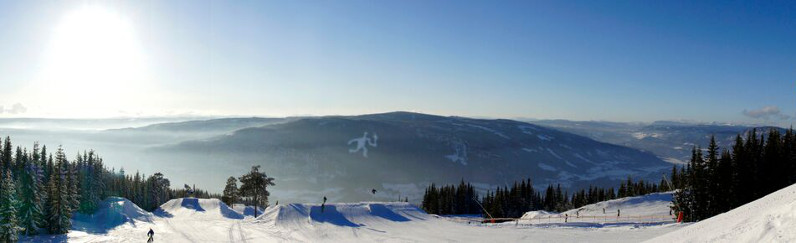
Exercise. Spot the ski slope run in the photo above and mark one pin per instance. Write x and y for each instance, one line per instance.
(768, 219)
(652, 208)
(210, 220)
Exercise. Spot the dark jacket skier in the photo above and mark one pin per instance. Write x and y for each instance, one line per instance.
(150, 234)
(323, 205)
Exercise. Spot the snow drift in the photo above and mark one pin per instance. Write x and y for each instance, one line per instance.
(768, 219)
(197, 208)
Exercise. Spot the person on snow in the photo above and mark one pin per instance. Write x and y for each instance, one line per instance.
(566, 217)
(150, 234)
(618, 212)
(373, 191)
(323, 205)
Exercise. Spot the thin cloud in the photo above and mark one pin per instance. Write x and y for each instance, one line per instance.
(17, 108)
(766, 113)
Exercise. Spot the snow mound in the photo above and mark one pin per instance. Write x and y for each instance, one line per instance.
(111, 212)
(536, 214)
(768, 219)
(246, 210)
(341, 214)
(197, 208)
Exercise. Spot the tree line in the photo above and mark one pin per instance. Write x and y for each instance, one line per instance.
(521, 197)
(40, 191)
(719, 180)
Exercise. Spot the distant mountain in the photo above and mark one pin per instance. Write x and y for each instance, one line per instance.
(400, 153)
(671, 141)
(210, 125)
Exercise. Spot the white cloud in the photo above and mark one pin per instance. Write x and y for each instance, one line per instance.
(766, 113)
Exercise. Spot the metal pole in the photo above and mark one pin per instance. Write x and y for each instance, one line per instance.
(482, 207)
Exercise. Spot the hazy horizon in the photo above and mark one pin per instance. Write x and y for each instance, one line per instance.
(632, 62)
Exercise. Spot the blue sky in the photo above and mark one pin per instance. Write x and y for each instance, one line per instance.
(581, 60)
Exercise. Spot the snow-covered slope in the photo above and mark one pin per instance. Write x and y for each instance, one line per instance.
(197, 208)
(650, 204)
(650, 208)
(768, 219)
(204, 220)
(111, 213)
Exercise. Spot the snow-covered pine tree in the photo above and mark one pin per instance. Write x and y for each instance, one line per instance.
(30, 213)
(59, 213)
(90, 183)
(73, 195)
(98, 186)
(9, 226)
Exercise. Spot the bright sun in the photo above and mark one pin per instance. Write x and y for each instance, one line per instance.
(95, 60)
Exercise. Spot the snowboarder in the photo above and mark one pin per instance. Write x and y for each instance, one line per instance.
(150, 234)
(323, 205)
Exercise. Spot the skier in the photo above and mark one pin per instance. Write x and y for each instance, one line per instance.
(566, 217)
(151, 235)
(323, 205)
(618, 212)
(373, 191)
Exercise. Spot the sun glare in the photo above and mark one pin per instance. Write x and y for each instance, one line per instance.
(95, 59)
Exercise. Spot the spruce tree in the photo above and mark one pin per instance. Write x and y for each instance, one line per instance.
(230, 195)
(30, 212)
(9, 226)
(59, 213)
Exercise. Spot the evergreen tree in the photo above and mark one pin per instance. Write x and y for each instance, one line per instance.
(255, 185)
(59, 213)
(9, 228)
(159, 190)
(5, 155)
(30, 212)
(230, 195)
(72, 194)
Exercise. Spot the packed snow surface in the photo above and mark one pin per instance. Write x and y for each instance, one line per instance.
(768, 219)
(210, 220)
(650, 208)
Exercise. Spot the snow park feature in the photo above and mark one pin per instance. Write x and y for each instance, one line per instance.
(247, 211)
(210, 220)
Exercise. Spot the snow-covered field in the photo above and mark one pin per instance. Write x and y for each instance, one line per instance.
(651, 209)
(768, 219)
(210, 220)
